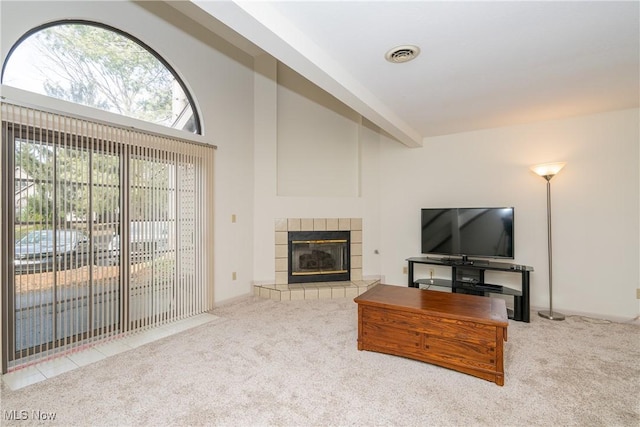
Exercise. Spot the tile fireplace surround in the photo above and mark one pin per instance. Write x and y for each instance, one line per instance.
(281, 290)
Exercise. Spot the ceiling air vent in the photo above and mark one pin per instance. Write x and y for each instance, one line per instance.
(402, 54)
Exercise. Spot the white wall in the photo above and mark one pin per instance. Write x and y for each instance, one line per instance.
(595, 213)
(317, 149)
(338, 203)
(221, 80)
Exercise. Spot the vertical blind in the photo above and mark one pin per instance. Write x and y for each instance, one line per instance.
(106, 232)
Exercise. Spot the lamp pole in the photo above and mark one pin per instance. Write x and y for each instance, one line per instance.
(548, 171)
(551, 315)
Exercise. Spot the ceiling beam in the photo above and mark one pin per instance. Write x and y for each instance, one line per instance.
(263, 25)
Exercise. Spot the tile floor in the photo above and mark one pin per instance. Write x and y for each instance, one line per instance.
(320, 290)
(39, 372)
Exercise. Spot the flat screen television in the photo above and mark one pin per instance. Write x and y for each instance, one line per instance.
(468, 232)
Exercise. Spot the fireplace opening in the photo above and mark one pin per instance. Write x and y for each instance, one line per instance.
(319, 256)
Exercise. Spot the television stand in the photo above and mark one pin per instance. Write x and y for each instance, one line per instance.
(468, 278)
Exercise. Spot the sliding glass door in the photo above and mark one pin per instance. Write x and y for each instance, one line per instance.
(105, 234)
(64, 285)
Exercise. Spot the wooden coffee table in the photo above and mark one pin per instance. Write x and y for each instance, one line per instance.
(455, 331)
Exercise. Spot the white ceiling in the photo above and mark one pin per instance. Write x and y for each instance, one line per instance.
(483, 64)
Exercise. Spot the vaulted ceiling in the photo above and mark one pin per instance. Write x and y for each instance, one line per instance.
(481, 64)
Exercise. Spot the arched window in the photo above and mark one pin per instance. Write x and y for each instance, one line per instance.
(99, 66)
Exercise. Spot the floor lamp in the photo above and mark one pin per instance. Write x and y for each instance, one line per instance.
(548, 171)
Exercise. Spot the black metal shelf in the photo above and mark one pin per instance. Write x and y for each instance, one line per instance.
(485, 288)
(467, 276)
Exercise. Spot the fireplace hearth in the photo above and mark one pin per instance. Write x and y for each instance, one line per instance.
(319, 256)
(283, 290)
(284, 226)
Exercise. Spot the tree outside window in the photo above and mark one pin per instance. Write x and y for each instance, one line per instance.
(102, 68)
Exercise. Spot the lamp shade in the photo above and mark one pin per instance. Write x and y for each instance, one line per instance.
(548, 169)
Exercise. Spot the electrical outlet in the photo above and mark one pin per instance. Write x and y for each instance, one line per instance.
(233, 276)
(404, 270)
(637, 293)
(233, 218)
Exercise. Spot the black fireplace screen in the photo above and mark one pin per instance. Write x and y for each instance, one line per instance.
(316, 256)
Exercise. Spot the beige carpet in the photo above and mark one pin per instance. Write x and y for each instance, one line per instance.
(296, 364)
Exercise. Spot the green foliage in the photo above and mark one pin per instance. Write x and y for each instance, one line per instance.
(35, 159)
(103, 69)
(39, 209)
(72, 183)
(97, 67)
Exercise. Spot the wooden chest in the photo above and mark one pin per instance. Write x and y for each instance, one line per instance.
(455, 331)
